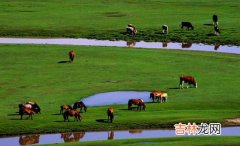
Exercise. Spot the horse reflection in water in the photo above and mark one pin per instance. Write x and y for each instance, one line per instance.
(164, 44)
(110, 135)
(135, 131)
(131, 43)
(72, 136)
(29, 139)
(216, 46)
(186, 45)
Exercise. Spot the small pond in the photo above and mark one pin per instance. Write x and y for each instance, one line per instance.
(157, 45)
(116, 97)
(103, 135)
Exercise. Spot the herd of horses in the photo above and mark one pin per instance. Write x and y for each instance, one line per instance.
(30, 108)
(131, 29)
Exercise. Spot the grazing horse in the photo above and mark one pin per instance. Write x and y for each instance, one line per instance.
(80, 105)
(187, 79)
(110, 114)
(164, 29)
(159, 96)
(71, 55)
(28, 108)
(187, 25)
(215, 19)
(139, 102)
(64, 108)
(71, 113)
(131, 29)
(29, 139)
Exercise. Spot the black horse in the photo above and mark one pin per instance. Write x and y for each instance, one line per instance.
(80, 105)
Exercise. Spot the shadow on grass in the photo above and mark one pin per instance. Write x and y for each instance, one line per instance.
(56, 114)
(62, 121)
(102, 120)
(174, 88)
(64, 61)
(211, 34)
(13, 114)
(208, 24)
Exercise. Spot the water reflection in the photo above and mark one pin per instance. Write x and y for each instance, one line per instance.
(141, 44)
(72, 136)
(186, 45)
(216, 46)
(131, 43)
(103, 135)
(135, 131)
(164, 44)
(110, 135)
(29, 139)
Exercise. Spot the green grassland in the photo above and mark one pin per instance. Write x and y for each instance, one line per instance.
(32, 73)
(177, 141)
(104, 19)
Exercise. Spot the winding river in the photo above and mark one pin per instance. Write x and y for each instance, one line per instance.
(154, 45)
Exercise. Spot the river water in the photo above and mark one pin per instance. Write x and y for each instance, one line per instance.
(154, 45)
(102, 135)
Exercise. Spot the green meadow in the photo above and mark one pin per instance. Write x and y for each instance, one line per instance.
(104, 19)
(32, 73)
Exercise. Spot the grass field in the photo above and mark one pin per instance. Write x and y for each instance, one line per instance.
(32, 73)
(107, 19)
(178, 141)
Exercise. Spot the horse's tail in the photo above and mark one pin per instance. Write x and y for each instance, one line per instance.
(129, 104)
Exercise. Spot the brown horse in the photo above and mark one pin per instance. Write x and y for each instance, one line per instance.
(71, 113)
(187, 79)
(64, 108)
(159, 96)
(139, 102)
(80, 105)
(29, 139)
(71, 55)
(28, 108)
(110, 114)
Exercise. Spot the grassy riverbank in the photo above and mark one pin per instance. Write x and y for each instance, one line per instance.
(108, 19)
(32, 73)
(177, 141)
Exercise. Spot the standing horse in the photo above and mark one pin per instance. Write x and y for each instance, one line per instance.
(71, 55)
(139, 102)
(110, 114)
(131, 29)
(71, 113)
(80, 105)
(64, 108)
(187, 79)
(28, 108)
(159, 96)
